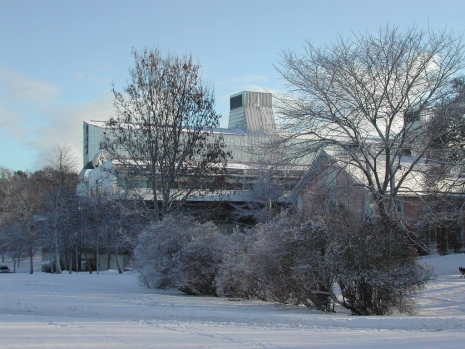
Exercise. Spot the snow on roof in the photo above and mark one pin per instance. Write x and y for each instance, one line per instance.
(220, 130)
(412, 184)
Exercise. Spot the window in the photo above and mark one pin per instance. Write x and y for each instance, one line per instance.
(406, 152)
(140, 184)
(99, 185)
(86, 143)
(411, 116)
(122, 183)
(235, 102)
(399, 206)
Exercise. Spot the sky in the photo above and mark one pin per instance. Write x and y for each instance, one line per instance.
(59, 59)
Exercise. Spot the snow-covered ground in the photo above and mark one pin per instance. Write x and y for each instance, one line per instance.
(109, 310)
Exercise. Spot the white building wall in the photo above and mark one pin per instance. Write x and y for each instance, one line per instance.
(102, 180)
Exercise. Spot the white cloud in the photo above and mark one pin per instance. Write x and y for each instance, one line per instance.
(20, 87)
(65, 126)
(33, 113)
(92, 78)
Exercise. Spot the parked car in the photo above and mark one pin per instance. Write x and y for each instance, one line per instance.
(5, 269)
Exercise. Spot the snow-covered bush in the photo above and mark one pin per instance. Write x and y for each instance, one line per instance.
(236, 275)
(294, 259)
(200, 260)
(311, 275)
(181, 253)
(291, 259)
(375, 266)
(282, 260)
(248, 267)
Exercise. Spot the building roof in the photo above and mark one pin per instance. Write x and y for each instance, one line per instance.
(237, 132)
(413, 182)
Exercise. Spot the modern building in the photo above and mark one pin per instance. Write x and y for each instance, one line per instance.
(251, 125)
(251, 112)
(250, 119)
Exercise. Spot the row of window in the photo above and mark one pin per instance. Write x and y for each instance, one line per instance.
(212, 183)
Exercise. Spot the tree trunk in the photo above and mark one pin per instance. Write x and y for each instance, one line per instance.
(52, 264)
(57, 262)
(88, 264)
(31, 260)
(77, 260)
(57, 253)
(117, 263)
(70, 271)
(97, 260)
(65, 259)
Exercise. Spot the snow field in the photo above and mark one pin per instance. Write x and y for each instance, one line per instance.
(110, 310)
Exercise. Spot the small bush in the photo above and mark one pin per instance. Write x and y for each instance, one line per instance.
(180, 253)
(281, 261)
(376, 268)
(236, 275)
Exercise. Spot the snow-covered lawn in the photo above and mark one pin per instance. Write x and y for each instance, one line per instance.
(109, 310)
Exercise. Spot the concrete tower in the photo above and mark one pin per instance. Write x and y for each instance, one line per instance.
(251, 112)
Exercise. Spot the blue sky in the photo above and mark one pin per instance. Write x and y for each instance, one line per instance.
(58, 59)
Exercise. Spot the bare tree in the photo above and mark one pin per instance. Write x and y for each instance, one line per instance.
(59, 206)
(265, 180)
(447, 153)
(162, 135)
(367, 99)
(443, 220)
(119, 225)
(20, 205)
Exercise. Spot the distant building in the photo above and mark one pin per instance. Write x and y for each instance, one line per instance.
(251, 124)
(251, 112)
(250, 117)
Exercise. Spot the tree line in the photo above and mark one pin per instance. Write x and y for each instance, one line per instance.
(40, 213)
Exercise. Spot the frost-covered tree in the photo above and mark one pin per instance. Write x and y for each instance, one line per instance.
(59, 205)
(366, 97)
(21, 202)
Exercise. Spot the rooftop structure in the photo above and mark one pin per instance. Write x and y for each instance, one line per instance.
(251, 112)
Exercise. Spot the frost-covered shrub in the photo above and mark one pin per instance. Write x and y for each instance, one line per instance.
(200, 260)
(376, 268)
(293, 259)
(311, 274)
(236, 275)
(282, 260)
(181, 253)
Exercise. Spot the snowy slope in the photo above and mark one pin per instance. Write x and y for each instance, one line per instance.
(109, 310)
